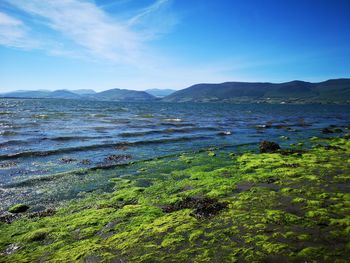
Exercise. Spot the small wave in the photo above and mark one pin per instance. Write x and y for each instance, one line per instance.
(167, 131)
(40, 116)
(58, 139)
(98, 146)
(173, 120)
(7, 133)
(99, 115)
(13, 142)
(76, 138)
(225, 133)
(174, 124)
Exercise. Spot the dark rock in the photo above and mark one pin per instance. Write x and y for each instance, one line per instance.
(271, 180)
(8, 218)
(11, 249)
(122, 147)
(8, 164)
(92, 259)
(44, 213)
(326, 131)
(299, 152)
(331, 147)
(292, 165)
(85, 162)
(118, 158)
(67, 160)
(338, 130)
(268, 147)
(203, 207)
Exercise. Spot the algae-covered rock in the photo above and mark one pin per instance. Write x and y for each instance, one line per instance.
(211, 154)
(37, 235)
(19, 208)
(268, 147)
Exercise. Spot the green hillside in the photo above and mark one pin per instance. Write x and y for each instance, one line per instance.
(330, 91)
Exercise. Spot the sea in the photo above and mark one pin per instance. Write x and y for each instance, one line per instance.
(43, 140)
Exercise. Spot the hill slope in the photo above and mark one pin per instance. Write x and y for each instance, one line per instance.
(123, 95)
(330, 91)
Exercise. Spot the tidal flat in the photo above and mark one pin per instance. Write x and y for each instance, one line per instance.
(288, 205)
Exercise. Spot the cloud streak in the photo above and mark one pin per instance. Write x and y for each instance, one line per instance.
(80, 28)
(14, 33)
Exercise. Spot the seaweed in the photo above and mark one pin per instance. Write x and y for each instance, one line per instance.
(199, 207)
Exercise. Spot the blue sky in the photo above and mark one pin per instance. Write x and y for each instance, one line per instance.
(141, 44)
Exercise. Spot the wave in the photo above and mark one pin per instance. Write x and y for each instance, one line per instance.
(173, 120)
(77, 138)
(59, 139)
(177, 124)
(98, 146)
(8, 133)
(167, 131)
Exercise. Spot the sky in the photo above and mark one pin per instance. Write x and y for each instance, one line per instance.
(144, 44)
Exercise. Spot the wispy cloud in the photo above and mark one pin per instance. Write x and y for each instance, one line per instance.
(155, 19)
(82, 29)
(14, 33)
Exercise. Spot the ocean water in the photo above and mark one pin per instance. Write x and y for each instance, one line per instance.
(42, 137)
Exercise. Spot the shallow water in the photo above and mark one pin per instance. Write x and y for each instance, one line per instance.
(43, 137)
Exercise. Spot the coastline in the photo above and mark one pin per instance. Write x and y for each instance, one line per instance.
(211, 206)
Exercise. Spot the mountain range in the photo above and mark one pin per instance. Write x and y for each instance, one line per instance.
(109, 95)
(330, 91)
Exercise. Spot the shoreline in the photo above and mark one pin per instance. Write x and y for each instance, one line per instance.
(205, 206)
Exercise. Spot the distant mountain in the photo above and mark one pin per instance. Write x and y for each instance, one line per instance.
(330, 91)
(26, 94)
(124, 95)
(64, 94)
(110, 95)
(84, 91)
(58, 94)
(160, 92)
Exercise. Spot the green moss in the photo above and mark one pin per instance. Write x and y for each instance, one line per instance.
(311, 252)
(304, 237)
(273, 248)
(298, 200)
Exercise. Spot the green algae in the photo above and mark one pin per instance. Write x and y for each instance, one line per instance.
(276, 207)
